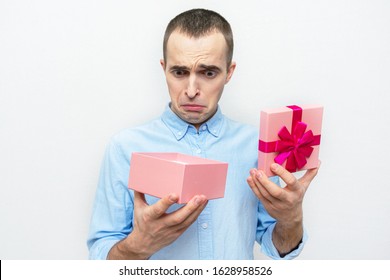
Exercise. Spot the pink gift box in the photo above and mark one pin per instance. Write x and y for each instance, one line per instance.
(160, 174)
(290, 136)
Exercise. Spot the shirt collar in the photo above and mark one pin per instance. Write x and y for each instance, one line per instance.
(179, 128)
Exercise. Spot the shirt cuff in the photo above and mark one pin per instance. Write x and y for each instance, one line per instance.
(101, 248)
(269, 249)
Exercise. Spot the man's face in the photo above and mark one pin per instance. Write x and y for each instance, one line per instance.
(196, 73)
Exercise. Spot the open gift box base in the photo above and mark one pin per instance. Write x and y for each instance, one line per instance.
(160, 174)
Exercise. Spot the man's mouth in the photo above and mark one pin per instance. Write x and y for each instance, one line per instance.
(192, 107)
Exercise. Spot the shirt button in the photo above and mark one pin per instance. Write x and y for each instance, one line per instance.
(204, 225)
(204, 128)
(198, 151)
(179, 133)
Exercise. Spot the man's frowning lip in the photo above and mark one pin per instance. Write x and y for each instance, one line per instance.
(192, 107)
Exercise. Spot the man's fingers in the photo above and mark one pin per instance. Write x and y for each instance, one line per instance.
(160, 207)
(252, 184)
(269, 189)
(286, 176)
(195, 212)
(308, 177)
(186, 215)
(259, 190)
(139, 199)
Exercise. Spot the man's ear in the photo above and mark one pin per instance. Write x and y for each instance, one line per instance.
(162, 62)
(230, 71)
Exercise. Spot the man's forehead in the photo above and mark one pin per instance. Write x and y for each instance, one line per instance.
(177, 35)
(210, 49)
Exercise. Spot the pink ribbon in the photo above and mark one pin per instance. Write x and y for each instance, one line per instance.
(292, 147)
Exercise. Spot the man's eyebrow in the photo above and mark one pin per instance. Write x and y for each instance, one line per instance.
(178, 68)
(201, 66)
(210, 67)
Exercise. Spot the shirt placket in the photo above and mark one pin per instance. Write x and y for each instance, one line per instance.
(204, 225)
(205, 234)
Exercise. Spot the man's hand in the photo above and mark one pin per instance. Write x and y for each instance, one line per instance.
(153, 228)
(283, 204)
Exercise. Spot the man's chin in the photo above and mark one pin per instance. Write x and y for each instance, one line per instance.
(194, 120)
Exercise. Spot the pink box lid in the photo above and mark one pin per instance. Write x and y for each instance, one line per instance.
(272, 120)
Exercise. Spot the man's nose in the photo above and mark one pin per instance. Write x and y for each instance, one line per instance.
(193, 87)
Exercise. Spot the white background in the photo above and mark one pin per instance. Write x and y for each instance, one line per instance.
(73, 73)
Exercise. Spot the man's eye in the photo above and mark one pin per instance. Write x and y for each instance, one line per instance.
(210, 74)
(179, 73)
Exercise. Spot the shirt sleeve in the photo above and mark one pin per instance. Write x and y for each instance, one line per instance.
(268, 247)
(112, 214)
(266, 225)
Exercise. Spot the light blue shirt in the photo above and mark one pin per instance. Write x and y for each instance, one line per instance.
(226, 229)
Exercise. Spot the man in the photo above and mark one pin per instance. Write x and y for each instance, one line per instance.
(198, 49)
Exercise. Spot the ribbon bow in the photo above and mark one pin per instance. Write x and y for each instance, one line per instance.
(295, 147)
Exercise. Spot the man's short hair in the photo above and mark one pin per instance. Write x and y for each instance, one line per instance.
(200, 22)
